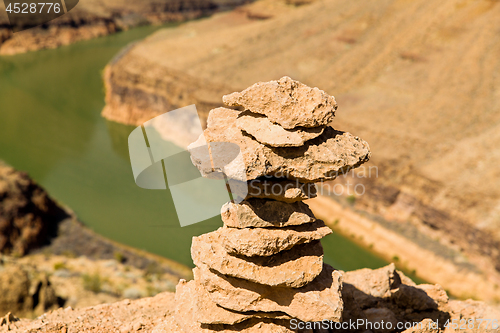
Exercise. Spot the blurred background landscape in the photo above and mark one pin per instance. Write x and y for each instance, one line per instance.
(418, 80)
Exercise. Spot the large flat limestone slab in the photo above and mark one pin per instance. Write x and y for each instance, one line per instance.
(263, 213)
(293, 268)
(319, 300)
(323, 158)
(270, 241)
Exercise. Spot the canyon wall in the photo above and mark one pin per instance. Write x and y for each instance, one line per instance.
(95, 18)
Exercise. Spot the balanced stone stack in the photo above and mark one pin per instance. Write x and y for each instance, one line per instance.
(265, 266)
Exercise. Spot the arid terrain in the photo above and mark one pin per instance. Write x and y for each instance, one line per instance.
(416, 79)
(375, 295)
(95, 18)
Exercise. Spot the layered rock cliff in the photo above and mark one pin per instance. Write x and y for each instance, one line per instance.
(95, 18)
(28, 216)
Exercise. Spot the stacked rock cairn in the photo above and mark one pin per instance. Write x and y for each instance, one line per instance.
(265, 267)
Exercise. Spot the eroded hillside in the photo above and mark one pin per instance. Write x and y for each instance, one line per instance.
(95, 18)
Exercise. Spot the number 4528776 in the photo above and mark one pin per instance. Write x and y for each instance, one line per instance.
(464, 324)
(33, 8)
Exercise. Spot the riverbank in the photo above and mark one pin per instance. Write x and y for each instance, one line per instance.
(96, 18)
(462, 278)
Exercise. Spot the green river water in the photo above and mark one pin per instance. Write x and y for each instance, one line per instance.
(50, 126)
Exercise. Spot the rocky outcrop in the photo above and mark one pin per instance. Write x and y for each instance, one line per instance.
(266, 264)
(99, 18)
(28, 216)
(14, 291)
(368, 295)
(23, 294)
(387, 294)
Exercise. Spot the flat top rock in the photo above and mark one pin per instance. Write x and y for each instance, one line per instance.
(281, 190)
(381, 282)
(319, 300)
(269, 241)
(286, 102)
(323, 158)
(264, 213)
(271, 134)
(293, 268)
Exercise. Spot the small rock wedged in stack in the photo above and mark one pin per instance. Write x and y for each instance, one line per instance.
(265, 266)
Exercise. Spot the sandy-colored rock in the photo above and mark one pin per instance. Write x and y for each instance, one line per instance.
(28, 216)
(187, 317)
(473, 309)
(8, 319)
(207, 312)
(282, 190)
(269, 241)
(265, 131)
(286, 102)
(380, 282)
(369, 286)
(316, 301)
(436, 292)
(293, 268)
(14, 290)
(323, 158)
(260, 213)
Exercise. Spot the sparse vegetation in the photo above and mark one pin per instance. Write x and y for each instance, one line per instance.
(69, 254)
(92, 282)
(351, 199)
(59, 265)
(151, 290)
(153, 269)
(119, 257)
